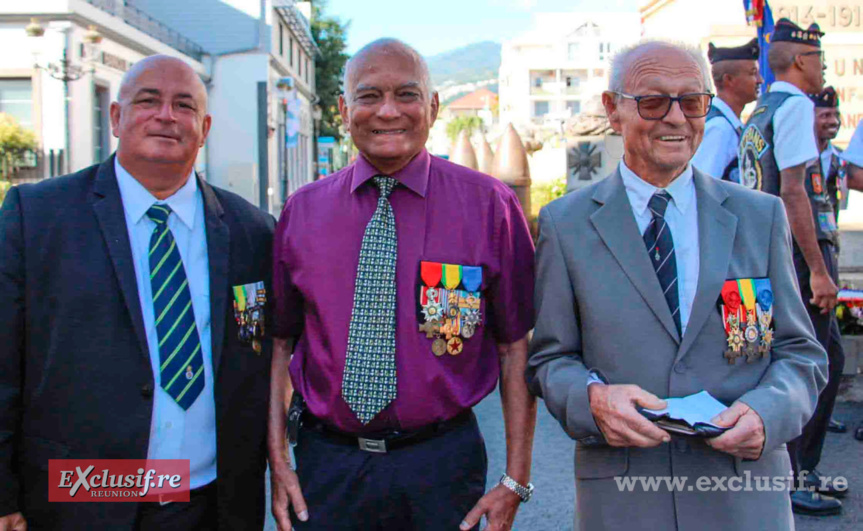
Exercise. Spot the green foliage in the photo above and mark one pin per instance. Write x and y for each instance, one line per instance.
(332, 39)
(545, 193)
(15, 143)
(462, 123)
(4, 187)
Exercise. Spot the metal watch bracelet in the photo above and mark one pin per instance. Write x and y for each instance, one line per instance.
(523, 492)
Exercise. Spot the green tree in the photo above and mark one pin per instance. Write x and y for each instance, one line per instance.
(331, 36)
(462, 123)
(15, 143)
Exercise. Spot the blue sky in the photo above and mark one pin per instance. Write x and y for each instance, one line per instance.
(440, 25)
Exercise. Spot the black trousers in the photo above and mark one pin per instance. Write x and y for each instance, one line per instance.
(805, 450)
(199, 513)
(430, 485)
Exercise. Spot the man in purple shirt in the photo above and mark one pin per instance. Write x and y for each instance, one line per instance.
(403, 289)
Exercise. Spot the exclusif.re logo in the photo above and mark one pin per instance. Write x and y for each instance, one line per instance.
(118, 480)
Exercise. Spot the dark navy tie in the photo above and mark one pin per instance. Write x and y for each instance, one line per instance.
(181, 364)
(660, 248)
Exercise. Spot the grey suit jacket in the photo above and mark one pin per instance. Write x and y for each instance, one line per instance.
(599, 306)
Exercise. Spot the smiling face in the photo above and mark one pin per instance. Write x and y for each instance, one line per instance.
(657, 150)
(387, 107)
(161, 116)
(826, 123)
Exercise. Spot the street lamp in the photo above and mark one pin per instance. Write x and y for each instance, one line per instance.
(66, 71)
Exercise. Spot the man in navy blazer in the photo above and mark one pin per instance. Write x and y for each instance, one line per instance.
(121, 336)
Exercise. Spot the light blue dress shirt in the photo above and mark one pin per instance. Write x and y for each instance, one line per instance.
(794, 128)
(720, 143)
(175, 433)
(682, 219)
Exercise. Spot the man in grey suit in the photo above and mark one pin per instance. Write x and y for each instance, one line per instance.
(660, 281)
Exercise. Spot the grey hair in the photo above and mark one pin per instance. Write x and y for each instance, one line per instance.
(781, 56)
(386, 46)
(621, 61)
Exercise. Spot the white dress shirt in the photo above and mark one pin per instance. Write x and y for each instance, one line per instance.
(721, 141)
(175, 433)
(682, 219)
(793, 128)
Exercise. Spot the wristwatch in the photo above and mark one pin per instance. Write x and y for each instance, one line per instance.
(523, 492)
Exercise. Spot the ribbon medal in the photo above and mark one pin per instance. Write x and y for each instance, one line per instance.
(732, 312)
(449, 305)
(249, 303)
(751, 330)
(764, 298)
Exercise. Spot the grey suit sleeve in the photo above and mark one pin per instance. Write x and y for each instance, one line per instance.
(11, 345)
(785, 397)
(555, 369)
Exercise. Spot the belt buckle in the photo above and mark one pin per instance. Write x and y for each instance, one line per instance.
(375, 446)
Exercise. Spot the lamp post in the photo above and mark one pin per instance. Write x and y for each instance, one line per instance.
(66, 71)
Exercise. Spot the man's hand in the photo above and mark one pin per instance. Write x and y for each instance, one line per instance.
(746, 438)
(499, 506)
(285, 486)
(824, 291)
(613, 408)
(13, 522)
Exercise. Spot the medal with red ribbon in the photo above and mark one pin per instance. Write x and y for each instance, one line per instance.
(731, 315)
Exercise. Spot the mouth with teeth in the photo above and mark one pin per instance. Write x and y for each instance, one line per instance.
(672, 138)
(389, 131)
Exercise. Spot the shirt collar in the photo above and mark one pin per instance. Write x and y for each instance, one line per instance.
(725, 109)
(415, 176)
(784, 86)
(137, 199)
(640, 191)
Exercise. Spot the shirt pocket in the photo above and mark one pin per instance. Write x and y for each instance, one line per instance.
(450, 304)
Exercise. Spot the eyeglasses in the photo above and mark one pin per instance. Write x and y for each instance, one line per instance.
(656, 107)
(819, 53)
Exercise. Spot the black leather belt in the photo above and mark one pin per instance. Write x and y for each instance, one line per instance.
(386, 441)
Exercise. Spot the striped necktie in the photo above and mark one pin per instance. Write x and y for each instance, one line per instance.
(369, 380)
(660, 248)
(181, 363)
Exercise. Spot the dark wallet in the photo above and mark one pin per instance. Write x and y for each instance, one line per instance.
(681, 427)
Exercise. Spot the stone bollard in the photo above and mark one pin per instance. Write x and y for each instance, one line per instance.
(485, 157)
(510, 166)
(462, 152)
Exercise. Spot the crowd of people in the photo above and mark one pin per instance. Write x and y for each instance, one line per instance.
(148, 314)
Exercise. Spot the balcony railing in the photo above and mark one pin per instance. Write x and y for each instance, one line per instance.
(152, 27)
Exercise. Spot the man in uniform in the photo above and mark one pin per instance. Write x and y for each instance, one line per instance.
(629, 272)
(735, 74)
(406, 284)
(779, 155)
(833, 167)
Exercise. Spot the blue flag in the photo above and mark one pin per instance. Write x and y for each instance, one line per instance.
(759, 13)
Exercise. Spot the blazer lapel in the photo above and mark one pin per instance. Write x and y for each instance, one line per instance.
(716, 229)
(108, 206)
(218, 254)
(616, 226)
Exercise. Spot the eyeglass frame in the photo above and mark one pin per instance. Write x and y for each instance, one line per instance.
(671, 101)
(817, 52)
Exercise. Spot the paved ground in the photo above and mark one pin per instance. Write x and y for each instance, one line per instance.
(552, 507)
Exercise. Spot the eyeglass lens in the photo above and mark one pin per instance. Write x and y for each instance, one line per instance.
(656, 107)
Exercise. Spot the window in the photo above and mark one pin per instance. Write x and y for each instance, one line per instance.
(572, 81)
(281, 41)
(300, 63)
(101, 138)
(572, 51)
(291, 49)
(537, 82)
(307, 70)
(540, 108)
(16, 99)
(574, 107)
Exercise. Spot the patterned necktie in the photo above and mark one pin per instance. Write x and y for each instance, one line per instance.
(181, 364)
(660, 248)
(369, 380)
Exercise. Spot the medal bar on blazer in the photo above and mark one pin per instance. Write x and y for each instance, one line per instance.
(750, 325)
(446, 313)
(731, 314)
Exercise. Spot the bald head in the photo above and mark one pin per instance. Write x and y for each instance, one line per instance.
(162, 66)
(384, 48)
(641, 58)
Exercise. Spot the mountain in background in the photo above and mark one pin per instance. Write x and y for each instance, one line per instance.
(474, 62)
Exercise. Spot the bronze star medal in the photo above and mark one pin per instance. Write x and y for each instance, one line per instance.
(454, 346)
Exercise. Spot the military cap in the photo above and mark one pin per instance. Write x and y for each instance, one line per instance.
(787, 31)
(747, 52)
(826, 98)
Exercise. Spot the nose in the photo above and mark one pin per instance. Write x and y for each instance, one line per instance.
(760, 79)
(675, 114)
(389, 107)
(166, 112)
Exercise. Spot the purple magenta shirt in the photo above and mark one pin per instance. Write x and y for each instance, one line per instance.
(444, 213)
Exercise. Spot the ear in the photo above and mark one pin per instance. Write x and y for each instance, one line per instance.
(208, 121)
(610, 102)
(114, 111)
(343, 111)
(435, 107)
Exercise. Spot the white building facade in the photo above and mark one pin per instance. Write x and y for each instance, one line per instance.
(553, 71)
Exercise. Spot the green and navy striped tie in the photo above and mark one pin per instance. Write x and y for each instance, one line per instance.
(181, 364)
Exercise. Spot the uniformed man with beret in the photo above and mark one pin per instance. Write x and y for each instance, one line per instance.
(735, 74)
(779, 155)
(834, 169)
